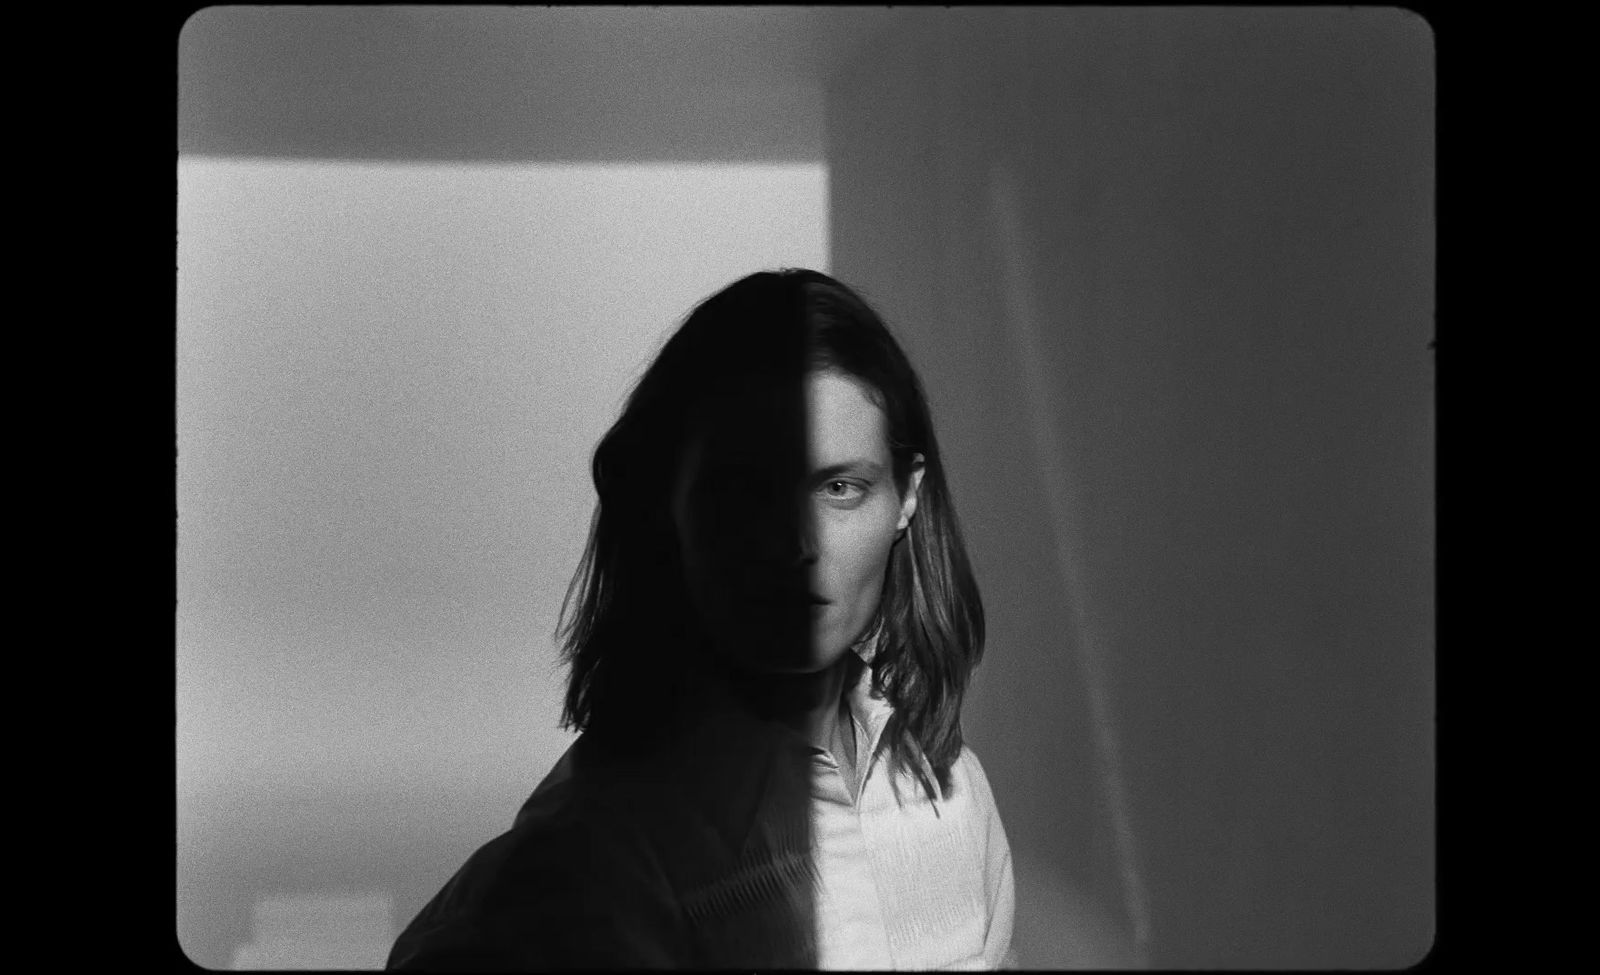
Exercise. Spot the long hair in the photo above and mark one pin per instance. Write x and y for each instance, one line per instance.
(627, 627)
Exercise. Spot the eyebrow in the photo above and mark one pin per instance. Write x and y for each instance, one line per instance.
(859, 465)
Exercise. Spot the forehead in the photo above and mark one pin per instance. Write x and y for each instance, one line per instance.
(760, 431)
(842, 420)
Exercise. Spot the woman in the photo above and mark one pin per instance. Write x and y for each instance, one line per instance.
(774, 625)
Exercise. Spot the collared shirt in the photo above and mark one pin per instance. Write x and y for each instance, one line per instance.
(907, 882)
(738, 846)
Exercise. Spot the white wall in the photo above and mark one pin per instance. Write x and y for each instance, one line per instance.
(390, 378)
(1168, 276)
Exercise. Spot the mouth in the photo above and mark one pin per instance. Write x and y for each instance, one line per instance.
(782, 597)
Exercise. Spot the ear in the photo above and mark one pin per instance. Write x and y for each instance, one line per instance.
(908, 505)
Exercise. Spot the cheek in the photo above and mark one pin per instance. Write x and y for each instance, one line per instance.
(855, 557)
(701, 571)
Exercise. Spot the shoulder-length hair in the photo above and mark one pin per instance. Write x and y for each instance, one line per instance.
(628, 632)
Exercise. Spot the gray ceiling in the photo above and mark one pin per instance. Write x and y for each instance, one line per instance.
(515, 83)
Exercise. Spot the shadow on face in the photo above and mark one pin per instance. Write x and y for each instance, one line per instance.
(787, 510)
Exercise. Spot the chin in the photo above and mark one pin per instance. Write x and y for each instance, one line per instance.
(765, 650)
(812, 660)
(822, 658)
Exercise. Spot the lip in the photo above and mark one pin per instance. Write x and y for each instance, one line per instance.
(770, 597)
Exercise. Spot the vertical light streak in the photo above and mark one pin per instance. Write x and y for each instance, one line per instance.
(1022, 319)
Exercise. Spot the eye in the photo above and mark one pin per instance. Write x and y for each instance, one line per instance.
(842, 492)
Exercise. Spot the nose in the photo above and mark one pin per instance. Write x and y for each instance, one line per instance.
(786, 551)
(806, 539)
(806, 550)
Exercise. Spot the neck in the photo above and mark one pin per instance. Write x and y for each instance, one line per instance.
(807, 703)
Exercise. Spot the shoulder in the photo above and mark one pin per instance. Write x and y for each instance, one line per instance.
(973, 800)
(557, 849)
(572, 875)
(968, 779)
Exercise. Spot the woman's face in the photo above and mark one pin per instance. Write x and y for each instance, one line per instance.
(785, 545)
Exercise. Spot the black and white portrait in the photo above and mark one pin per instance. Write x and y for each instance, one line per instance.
(805, 487)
